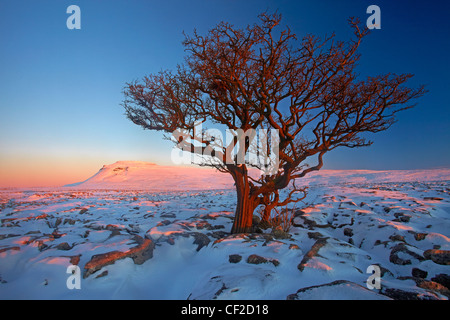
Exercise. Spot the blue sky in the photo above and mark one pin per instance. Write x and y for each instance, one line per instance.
(61, 89)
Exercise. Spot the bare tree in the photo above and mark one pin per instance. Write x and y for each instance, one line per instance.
(264, 78)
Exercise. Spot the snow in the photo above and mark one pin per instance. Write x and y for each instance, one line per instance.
(143, 175)
(362, 218)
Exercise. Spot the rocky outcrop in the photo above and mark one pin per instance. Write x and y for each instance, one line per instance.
(255, 259)
(201, 240)
(312, 253)
(400, 294)
(336, 290)
(140, 253)
(401, 247)
(438, 256)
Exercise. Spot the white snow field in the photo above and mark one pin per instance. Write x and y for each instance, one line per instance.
(141, 231)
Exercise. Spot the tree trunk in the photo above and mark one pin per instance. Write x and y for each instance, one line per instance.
(245, 203)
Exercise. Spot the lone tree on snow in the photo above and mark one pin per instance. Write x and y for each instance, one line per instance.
(264, 78)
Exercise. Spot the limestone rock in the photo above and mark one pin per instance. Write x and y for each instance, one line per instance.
(140, 253)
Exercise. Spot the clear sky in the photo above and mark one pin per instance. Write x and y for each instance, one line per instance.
(61, 89)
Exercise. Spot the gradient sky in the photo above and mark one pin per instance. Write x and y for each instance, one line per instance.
(61, 89)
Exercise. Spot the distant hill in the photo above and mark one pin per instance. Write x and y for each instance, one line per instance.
(145, 175)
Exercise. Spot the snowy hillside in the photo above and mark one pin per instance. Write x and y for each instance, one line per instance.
(149, 176)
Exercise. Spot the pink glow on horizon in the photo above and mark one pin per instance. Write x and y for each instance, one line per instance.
(40, 171)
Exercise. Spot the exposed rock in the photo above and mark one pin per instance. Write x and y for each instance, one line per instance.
(294, 247)
(163, 223)
(234, 258)
(362, 204)
(201, 240)
(58, 222)
(113, 227)
(384, 270)
(42, 246)
(438, 256)
(443, 279)
(103, 274)
(346, 290)
(398, 214)
(395, 259)
(346, 204)
(397, 237)
(142, 252)
(255, 259)
(418, 273)
(168, 215)
(433, 198)
(348, 232)
(218, 234)
(202, 224)
(5, 236)
(401, 217)
(56, 235)
(420, 236)
(75, 260)
(63, 246)
(69, 221)
(315, 235)
(401, 247)
(405, 218)
(399, 294)
(299, 213)
(434, 286)
(15, 248)
(312, 252)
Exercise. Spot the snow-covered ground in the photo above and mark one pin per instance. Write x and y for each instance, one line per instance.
(173, 243)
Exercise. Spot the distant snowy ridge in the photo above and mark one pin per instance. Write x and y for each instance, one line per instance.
(377, 176)
(150, 176)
